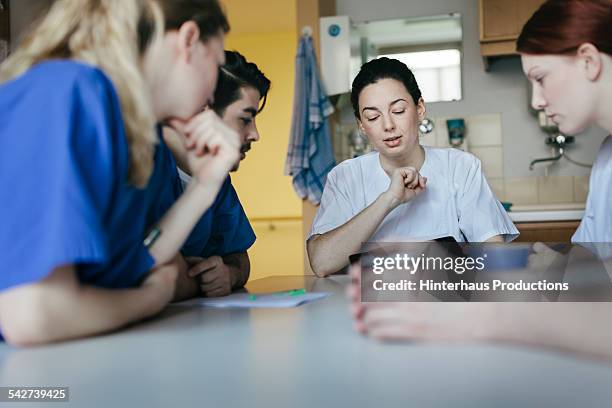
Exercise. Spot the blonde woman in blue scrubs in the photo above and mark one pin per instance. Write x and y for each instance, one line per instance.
(79, 168)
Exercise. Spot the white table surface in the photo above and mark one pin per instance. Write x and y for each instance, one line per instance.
(302, 357)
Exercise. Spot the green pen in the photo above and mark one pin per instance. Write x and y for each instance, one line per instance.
(292, 292)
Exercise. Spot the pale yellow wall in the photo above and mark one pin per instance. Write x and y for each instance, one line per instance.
(264, 191)
(278, 249)
(266, 194)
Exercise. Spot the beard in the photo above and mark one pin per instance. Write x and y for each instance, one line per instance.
(243, 149)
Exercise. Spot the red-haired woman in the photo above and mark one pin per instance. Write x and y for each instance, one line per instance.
(566, 50)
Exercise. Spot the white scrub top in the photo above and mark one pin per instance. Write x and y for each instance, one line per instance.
(457, 200)
(596, 226)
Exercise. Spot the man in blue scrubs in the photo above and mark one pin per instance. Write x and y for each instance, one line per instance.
(216, 250)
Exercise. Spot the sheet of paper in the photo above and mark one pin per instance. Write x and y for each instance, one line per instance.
(248, 300)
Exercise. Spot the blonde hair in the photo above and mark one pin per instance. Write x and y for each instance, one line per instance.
(107, 34)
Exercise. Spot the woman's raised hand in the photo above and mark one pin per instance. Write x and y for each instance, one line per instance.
(406, 183)
(213, 148)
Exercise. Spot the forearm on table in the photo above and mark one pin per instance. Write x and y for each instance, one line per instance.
(329, 252)
(240, 268)
(187, 287)
(60, 308)
(582, 327)
(178, 222)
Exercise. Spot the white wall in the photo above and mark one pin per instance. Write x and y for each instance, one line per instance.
(503, 89)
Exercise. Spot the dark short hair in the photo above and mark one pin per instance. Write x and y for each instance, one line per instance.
(235, 74)
(383, 68)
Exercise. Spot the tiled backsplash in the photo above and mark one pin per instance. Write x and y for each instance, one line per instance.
(484, 140)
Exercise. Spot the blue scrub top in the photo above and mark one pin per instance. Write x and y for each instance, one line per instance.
(169, 183)
(63, 180)
(223, 229)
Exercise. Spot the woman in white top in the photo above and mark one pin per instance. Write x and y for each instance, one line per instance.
(566, 51)
(402, 191)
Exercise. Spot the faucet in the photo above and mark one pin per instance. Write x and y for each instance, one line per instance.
(559, 142)
(548, 159)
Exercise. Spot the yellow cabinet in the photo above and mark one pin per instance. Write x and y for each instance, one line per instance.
(278, 249)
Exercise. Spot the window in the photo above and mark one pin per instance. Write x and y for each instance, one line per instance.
(438, 73)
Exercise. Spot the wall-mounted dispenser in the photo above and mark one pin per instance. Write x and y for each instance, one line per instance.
(340, 54)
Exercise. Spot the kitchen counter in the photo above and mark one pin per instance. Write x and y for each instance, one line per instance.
(543, 216)
(547, 212)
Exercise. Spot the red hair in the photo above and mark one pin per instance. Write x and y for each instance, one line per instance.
(561, 26)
